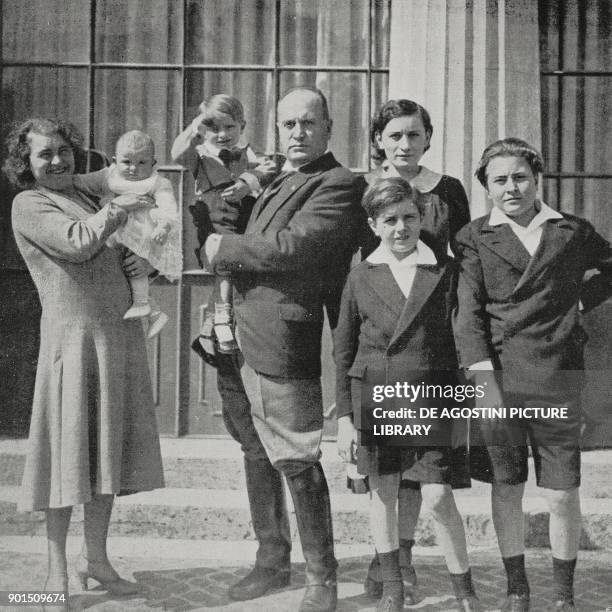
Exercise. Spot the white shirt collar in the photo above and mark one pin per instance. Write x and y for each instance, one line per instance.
(425, 181)
(422, 255)
(498, 217)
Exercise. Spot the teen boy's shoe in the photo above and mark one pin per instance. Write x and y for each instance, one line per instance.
(563, 605)
(516, 603)
(468, 604)
(392, 599)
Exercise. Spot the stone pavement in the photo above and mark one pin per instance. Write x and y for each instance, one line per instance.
(194, 575)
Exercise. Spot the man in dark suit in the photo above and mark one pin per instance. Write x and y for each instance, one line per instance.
(288, 266)
(520, 296)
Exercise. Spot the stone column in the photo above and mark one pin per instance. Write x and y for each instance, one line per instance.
(474, 65)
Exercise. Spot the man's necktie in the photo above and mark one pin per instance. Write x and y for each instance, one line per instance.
(272, 189)
(275, 185)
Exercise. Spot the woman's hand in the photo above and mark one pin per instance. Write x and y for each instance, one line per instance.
(136, 266)
(133, 201)
(347, 439)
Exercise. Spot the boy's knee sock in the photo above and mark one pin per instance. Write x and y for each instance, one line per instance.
(515, 572)
(389, 566)
(405, 552)
(563, 579)
(462, 585)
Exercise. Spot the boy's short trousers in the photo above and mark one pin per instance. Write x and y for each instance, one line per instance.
(422, 464)
(555, 446)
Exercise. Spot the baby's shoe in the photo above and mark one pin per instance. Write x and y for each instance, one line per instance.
(224, 324)
(157, 322)
(138, 311)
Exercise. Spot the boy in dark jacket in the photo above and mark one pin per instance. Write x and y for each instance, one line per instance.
(520, 295)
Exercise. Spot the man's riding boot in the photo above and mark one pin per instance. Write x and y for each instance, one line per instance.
(271, 526)
(313, 513)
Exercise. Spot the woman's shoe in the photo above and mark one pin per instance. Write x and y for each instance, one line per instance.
(57, 584)
(108, 578)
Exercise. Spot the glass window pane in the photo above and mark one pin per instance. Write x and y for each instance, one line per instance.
(348, 107)
(253, 88)
(190, 238)
(381, 23)
(324, 32)
(550, 192)
(587, 124)
(380, 94)
(587, 34)
(46, 92)
(549, 17)
(147, 100)
(230, 32)
(138, 31)
(550, 114)
(45, 30)
(590, 199)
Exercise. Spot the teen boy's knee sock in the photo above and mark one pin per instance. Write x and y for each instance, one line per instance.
(405, 552)
(462, 585)
(391, 574)
(563, 579)
(515, 572)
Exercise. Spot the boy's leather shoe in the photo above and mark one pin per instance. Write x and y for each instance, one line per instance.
(516, 603)
(563, 605)
(468, 604)
(373, 585)
(258, 582)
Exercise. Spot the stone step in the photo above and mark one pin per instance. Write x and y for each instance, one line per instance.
(205, 463)
(221, 514)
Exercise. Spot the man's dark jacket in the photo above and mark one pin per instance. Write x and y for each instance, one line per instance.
(291, 264)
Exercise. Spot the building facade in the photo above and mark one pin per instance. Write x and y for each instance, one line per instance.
(484, 68)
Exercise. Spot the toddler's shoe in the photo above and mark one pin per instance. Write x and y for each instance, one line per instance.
(204, 344)
(224, 323)
(137, 311)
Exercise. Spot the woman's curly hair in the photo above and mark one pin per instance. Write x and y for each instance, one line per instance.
(17, 163)
(391, 110)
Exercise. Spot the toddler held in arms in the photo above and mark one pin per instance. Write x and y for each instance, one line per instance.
(228, 178)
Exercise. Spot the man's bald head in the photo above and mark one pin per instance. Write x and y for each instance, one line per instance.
(304, 125)
(313, 92)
